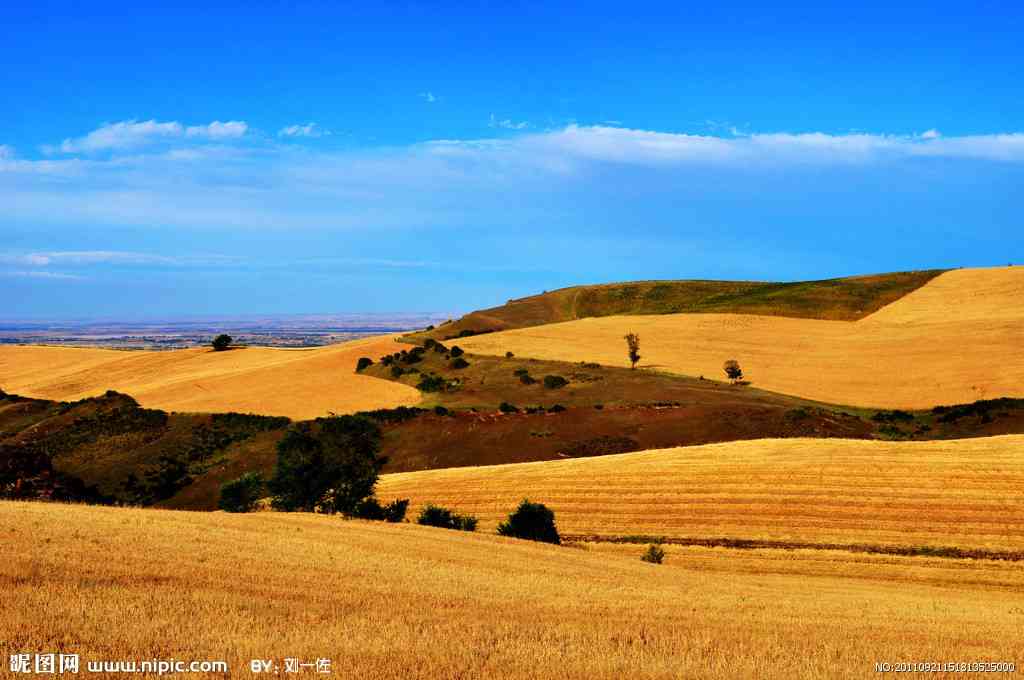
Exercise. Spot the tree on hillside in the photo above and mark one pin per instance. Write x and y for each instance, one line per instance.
(733, 370)
(633, 343)
(221, 342)
(327, 466)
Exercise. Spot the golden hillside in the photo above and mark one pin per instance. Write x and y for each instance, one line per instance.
(956, 339)
(403, 601)
(298, 383)
(965, 493)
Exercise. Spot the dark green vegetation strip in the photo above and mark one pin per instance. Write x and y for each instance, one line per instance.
(753, 544)
(844, 299)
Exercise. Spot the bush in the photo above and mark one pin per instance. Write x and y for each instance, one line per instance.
(431, 383)
(370, 508)
(456, 351)
(221, 342)
(397, 371)
(506, 407)
(242, 494)
(557, 408)
(532, 522)
(527, 379)
(554, 382)
(521, 371)
(364, 362)
(655, 554)
(441, 411)
(329, 465)
(458, 362)
(509, 355)
(436, 516)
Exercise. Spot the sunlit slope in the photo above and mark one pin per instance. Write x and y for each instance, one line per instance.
(403, 601)
(965, 493)
(299, 384)
(957, 339)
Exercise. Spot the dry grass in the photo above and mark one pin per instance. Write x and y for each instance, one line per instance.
(954, 340)
(964, 493)
(386, 601)
(299, 384)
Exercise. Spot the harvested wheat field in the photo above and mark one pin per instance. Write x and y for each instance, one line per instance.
(298, 383)
(967, 494)
(957, 339)
(403, 601)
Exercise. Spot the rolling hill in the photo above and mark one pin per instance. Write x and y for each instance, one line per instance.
(956, 339)
(967, 494)
(298, 384)
(388, 601)
(846, 299)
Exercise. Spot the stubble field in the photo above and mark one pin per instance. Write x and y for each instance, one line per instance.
(297, 383)
(386, 601)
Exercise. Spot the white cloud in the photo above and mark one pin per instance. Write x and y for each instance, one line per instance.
(217, 130)
(307, 130)
(6, 152)
(428, 97)
(930, 134)
(131, 134)
(507, 124)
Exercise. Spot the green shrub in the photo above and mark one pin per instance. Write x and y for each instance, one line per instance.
(509, 355)
(329, 465)
(221, 342)
(441, 411)
(456, 351)
(242, 494)
(364, 362)
(506, 407)
(655, 554)
(397, 371)
(526, 379)
(437, 516)
(370, 508)
(431, 383)
(532, 522)
(458, 362)
(557, 408)
(554, 382)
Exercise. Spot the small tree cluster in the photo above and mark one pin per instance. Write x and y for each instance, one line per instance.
(370, 508)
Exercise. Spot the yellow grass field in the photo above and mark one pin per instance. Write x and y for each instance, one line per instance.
(298, 383)
(957, 339)
(964, 493)
(403, 601)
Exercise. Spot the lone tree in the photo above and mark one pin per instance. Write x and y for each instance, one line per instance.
(221, 342)
(533, 522)
(633, 342)
(329, 466)
(364, 362)
(733, 370)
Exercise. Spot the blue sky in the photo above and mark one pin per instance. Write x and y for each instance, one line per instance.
(305, 157)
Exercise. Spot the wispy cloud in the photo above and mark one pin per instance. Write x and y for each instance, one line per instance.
(131, 134)
(110, 257)
(47, 275)
(507, 124)
(6, 152)
(307, 130)
(428, 97)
